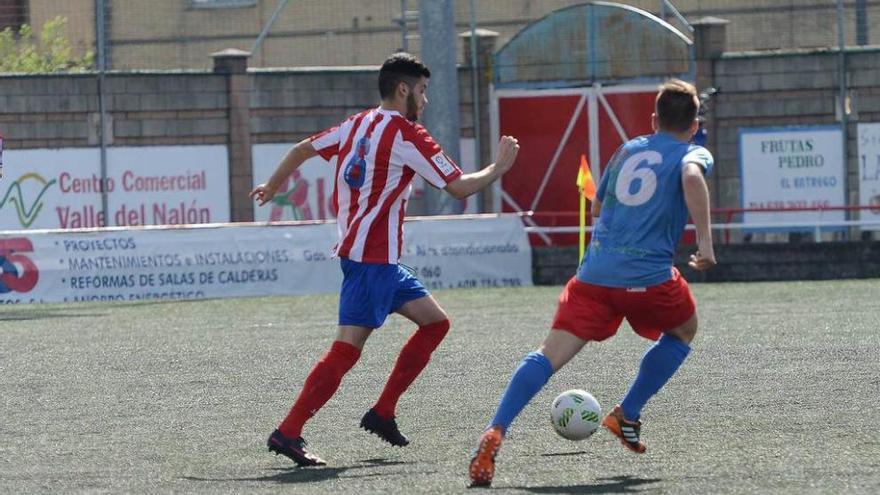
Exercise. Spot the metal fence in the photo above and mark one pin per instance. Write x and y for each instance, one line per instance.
(181, 34)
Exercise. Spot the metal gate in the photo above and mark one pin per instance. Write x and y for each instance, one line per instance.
(580, 81)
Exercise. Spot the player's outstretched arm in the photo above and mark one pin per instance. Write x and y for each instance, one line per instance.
(468, 184)
(696, 195)
(294, 157)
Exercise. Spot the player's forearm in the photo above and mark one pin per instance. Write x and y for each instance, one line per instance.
(291, 161)
(696, 195)
(469, 184)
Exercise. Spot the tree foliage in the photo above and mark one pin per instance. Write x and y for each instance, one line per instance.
(21, 52)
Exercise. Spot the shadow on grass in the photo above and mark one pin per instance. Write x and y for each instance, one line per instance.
(135, 303)
(313, 474)
(617, 484)
(36, 312)
(562, 454)
(41, 314)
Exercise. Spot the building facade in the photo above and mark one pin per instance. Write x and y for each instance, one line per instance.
(179, 34)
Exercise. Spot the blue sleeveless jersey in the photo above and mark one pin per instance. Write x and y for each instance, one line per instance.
(643, 212)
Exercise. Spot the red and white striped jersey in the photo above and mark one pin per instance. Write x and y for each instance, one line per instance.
(377, 152)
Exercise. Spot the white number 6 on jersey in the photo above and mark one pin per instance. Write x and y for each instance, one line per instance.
(628, 173)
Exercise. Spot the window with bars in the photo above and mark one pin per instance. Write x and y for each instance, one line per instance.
(13, 13)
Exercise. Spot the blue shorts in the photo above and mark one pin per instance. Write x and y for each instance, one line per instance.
(372, 291)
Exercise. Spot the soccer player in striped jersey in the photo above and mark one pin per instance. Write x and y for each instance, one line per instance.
(376, 154)
(642, 204)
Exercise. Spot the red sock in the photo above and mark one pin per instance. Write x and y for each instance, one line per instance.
(320, 385)
(412, 360)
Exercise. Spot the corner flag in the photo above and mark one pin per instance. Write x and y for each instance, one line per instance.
(586, 190)
(585, 182)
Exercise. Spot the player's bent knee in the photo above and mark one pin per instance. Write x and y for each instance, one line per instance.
(559, 347)
(354, 335)
(441, 326)
(438, 329)
(685, 332)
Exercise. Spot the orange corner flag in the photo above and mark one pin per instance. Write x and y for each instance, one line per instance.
(585, 181)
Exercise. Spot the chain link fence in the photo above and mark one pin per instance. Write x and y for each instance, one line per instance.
(181, 34)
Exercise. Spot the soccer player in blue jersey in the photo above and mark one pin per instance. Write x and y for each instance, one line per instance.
(642, 204)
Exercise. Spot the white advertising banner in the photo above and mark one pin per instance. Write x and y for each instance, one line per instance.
(169, 185)
(151, 185)
(869, 171)
(487, 251)
(214, 261)
(306, 195)
(42, 188)
(308, 192)
(792, 167)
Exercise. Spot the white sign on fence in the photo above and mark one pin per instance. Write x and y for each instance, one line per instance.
(869, 171)
(151, 185)
(306, 195)
(123, 264)
(792, 167)
(308, 192)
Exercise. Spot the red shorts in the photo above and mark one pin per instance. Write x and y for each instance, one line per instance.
(593, 312)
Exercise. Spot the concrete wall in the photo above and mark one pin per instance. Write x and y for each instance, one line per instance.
(757, 89)
(787, 88)
(171, 108)
(55, 111)
(226, 106)
(742, 262)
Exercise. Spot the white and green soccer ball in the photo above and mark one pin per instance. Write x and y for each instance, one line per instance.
(575, 414)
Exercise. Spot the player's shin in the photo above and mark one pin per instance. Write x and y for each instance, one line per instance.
(413, 358)
(659, 363)
(529, 378)
(320, 385)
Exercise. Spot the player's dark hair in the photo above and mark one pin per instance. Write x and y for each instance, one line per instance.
(677, 105)
(400, 67)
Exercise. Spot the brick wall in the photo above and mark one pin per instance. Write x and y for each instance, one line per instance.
(175, 108)
(742, 262)
(287, 106)
(55, 111)
(788, 88)
(186, 108)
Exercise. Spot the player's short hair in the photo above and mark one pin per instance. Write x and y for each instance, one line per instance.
(677, 105)
(400, 67)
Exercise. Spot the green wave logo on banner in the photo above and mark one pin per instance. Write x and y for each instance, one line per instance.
(26, 213)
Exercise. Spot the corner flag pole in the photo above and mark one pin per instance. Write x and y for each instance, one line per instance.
(586, 190)
(582, 231)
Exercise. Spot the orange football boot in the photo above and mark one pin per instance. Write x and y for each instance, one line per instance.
(627, 431)
(483, 464)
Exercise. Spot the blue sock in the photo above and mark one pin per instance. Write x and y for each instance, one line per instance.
(528, 379)
(659, 363)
